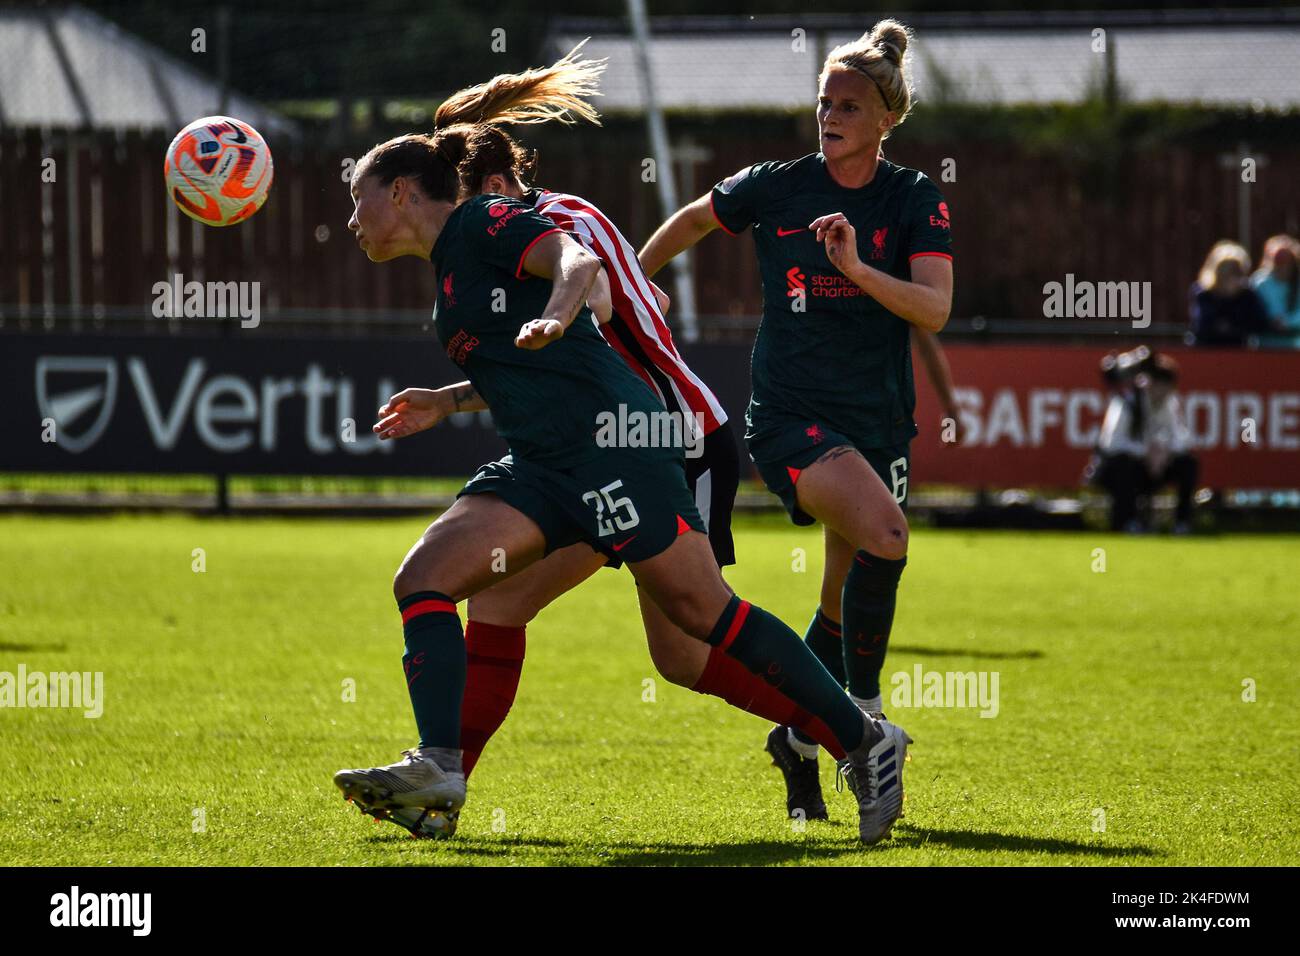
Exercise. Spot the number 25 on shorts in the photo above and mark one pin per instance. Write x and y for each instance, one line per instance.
(622, 513)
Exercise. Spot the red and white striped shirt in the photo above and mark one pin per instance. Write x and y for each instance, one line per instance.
(637, 330)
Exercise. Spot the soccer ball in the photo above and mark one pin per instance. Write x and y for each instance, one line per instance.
(218, 170)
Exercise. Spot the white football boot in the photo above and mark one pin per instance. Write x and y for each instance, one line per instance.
(415, 783)
(422, 824)
(875, 775)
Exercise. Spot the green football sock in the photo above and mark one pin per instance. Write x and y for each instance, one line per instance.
(434, 663)
(823, 639)
(870, 589)
(770, 649)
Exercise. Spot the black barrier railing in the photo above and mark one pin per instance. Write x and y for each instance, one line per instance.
(937, 506)
(157, 420)
(60, 319)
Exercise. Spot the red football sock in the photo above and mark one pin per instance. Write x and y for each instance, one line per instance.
(494, 659)
(726, 677)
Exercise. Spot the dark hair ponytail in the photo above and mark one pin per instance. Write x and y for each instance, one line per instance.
(490, 150)
(415, 156)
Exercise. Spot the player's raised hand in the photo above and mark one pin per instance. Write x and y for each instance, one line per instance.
(409, 411)
(539, 333)
(841, 240)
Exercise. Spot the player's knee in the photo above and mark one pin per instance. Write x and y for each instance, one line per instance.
(889, 539)
(689, 612)
(405, 582)
(675, 666)
(678, 657)
(413, 576)
(503, 611)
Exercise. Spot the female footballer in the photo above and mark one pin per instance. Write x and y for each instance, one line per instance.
(853, 251)
(630, 310)
(547, 377)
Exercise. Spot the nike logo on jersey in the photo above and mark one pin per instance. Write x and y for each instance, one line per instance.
(789, 232)
(624, 544)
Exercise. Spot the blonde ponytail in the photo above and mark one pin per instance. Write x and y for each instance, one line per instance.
(881, 56)
(557, 92)
(459, 140)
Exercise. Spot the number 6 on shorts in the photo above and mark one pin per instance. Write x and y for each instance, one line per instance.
(900, 481)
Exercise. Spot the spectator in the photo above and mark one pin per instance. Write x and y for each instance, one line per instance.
(1118, 369)
(1168, 440)
(1118, 462)
(1145, 443)
(1113, 378)
(1224, 308)
(1110, 377)
(1277, 283)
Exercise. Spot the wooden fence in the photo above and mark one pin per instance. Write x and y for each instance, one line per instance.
(92, 243)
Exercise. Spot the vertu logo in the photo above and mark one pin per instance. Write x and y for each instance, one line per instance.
(68, 389)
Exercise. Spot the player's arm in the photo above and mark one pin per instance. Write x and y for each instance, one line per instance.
(599, 300)
(572, 271)
(684, 228)
(925, 301)
(938, 371)
(461, 397)
(415, 409)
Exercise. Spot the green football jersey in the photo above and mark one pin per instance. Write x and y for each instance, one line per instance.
(545, 403)
(826, 351)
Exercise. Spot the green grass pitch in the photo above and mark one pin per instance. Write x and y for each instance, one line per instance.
(1120, 705)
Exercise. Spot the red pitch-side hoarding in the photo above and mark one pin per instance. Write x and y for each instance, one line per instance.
(1030, 416)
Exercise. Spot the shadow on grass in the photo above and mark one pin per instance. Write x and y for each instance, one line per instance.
(27, 648)
(964, 652)
(987, 841)
(822, 842)
(846, 847)
(474, 848)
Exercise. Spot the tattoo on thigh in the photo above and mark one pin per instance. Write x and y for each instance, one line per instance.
(839, 451)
